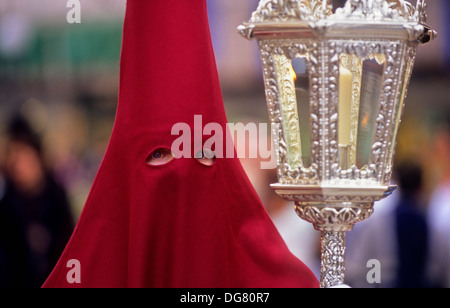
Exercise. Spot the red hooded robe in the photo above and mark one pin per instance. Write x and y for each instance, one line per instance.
(181, 224)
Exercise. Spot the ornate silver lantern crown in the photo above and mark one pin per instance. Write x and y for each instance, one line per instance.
(316, 10)
(335, 87)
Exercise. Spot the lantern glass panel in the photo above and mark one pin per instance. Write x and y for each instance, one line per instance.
(404, 89)
(294, 83)
(302, 86)
(360, 87)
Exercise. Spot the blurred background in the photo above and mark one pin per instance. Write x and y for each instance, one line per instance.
(63, 80)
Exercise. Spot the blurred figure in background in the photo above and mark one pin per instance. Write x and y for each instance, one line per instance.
(411, 229)
(439, 209)
(373, 239)
(35, 216)
(396, 235)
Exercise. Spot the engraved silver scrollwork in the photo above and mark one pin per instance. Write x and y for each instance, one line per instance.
(390, 103)
(332, 269)
(421, 11)
(324, 61)
(314, 10)
(288, 173)
(285, 10)
(377, 10)
(338, 218)
(333, 222)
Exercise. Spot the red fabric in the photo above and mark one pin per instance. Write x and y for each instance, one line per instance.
(182, 224)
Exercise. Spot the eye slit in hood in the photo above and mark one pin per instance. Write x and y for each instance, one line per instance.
(206, 157)
(159, 157)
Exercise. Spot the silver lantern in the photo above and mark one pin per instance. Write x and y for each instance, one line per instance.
(336, 81)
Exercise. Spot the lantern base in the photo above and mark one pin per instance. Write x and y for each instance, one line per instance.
(333, 211)
(333, 220)
(334, 217)
(333, 194)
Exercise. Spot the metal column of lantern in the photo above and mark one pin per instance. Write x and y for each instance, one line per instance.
(336, 80)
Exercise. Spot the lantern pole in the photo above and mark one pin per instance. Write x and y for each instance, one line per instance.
(332, 267)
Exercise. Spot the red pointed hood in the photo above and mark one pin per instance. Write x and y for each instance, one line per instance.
(180, 224)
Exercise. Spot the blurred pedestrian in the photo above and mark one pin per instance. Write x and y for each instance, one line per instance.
(397, 236)
(411, 229)
(35, 216)
(439, 209)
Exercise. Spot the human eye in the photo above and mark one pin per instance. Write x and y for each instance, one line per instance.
(159, 157)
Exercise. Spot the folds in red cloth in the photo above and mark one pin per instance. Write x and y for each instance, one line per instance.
(181, 224)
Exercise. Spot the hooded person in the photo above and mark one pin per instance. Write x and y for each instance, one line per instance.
(154, 217)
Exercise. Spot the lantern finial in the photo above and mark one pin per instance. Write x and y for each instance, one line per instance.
(288, 10)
